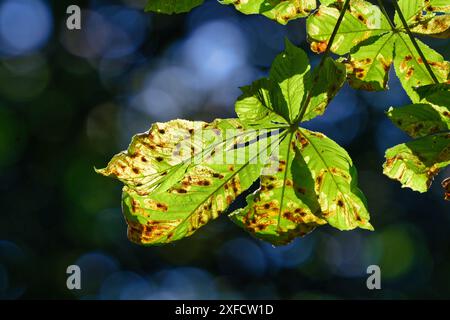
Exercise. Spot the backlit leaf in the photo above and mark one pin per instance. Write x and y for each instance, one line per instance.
(327, 80)
(290, 70)
(364, 20)
(198, 193)
(420, 120)
(410, 68)
(172, 6)
(342, 204)
(281, 11)
(257, 106)
(417, 162)
(369, 63)
(182, 174)
(279, 210)
(429, 17)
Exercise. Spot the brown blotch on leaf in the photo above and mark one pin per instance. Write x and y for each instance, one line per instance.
(162, 206)
(159, 159)
(134, 205)
(319, 47)
(319, 181)
(303, 142)
(361, 18)
(294, 217)
(218, 175)
(162, 131)
(136, 170)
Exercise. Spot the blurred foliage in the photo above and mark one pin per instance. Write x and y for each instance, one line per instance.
(70, 99)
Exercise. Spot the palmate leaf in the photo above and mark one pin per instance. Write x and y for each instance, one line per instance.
(182, 174)
(281, 11)
(172, 6)
(372, 46)
(415, 163)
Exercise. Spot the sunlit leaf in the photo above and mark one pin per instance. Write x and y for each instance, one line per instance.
(419, 120)
(211, 170)
(281, 11)
(436, 94)
(327, 80)
(366, 34)
(182, 174)
(410, 68)
(417, 162)
(172, 6)
(428, 17)
(290, 70)
(370, 61)
(342, 204)
(279, 210)
(257, 106)
(364, 20)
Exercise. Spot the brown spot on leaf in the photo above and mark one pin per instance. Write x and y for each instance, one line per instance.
(161, 206)
(319, 47)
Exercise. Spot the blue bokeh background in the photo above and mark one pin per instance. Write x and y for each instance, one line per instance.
(69, 100)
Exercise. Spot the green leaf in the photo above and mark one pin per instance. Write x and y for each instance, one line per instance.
(290, 70)
(410, 68)
(428, 17)
(277, 212)
(342, 204)
(436, 94)
(366, 34)
(182, 174)
(369, 63)
(363, 21)
(420, 120)
(290, 88)
(172, 6)
(198, 193)
(415, 163)
(281, 11)
(327, 80)
(257, 107)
